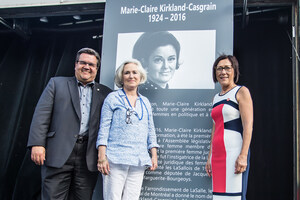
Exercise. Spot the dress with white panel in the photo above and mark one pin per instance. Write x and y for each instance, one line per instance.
(226, 147)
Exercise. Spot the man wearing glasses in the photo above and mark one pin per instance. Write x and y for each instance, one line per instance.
(64, 130)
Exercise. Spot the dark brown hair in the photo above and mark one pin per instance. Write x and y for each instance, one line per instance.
(90, 52)
(235, 65)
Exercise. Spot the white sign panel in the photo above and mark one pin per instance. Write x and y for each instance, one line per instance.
(177, 42)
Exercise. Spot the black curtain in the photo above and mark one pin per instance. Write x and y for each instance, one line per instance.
(26, 66)
(264, 51)
(262, 47)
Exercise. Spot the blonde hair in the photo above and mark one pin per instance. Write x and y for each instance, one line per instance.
(119, 72)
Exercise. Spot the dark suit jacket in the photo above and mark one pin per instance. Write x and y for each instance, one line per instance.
(56, 121)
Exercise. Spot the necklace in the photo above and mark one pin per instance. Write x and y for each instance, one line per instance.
(142, 102)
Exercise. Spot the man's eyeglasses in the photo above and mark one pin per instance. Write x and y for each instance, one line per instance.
(128, 114)
(226, 68)
(86, 63)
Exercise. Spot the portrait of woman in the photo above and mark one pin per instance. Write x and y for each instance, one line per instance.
(159, 53)
(126, 142)
(232, 114)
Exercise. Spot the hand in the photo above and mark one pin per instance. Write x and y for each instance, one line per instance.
(240, 164)
(208, 168)
(103, 166)
(38, 154)
(154, 163)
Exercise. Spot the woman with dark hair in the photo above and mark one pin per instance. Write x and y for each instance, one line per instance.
(232, 113)
(158, 52)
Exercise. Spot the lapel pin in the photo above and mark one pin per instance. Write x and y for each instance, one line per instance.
(98, 89)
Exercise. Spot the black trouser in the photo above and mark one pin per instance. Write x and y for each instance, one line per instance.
(72, 181)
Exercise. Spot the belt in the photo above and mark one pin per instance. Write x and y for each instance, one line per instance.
(81, 138)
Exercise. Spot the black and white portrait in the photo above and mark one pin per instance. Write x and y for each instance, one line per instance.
(172, 59)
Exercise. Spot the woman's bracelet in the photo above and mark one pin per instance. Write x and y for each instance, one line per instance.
(102, 161)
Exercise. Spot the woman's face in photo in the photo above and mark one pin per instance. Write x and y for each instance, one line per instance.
(162, 65)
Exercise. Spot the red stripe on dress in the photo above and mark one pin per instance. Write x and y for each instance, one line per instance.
(218, 159)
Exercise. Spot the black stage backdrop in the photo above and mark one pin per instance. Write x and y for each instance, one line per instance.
(26, 67)
(264, 51)
(262, 47)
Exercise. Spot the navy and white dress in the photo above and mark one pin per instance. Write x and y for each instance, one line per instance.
(226, 147)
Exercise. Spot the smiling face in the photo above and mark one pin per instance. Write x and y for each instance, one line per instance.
(225, 73)
(86, 68)
(162, 65)
(131, 77)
